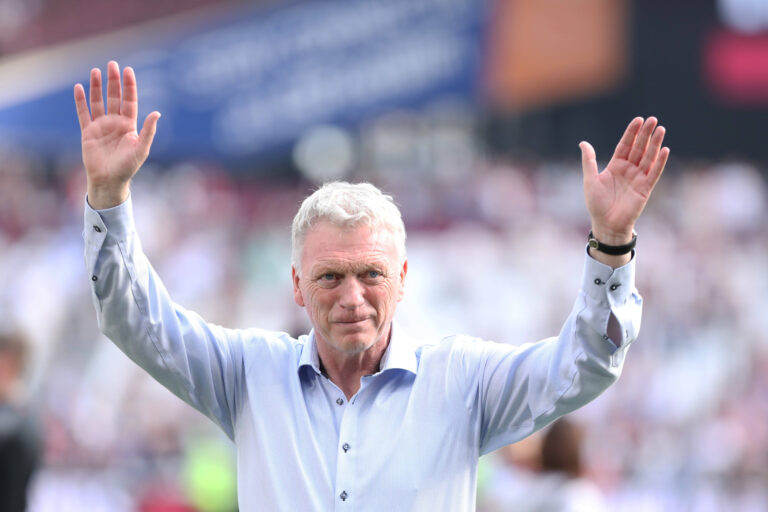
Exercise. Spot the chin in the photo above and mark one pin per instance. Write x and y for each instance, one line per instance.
(354, 344)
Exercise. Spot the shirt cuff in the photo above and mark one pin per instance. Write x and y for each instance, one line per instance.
(603, 283)
(115, 223)
(610, 291)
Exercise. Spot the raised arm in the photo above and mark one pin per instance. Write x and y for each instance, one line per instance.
(617, 196)
(199, 362)
(113, 150)
(521, 389)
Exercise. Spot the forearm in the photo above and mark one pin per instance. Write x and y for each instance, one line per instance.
(528, 387)
(191, 358)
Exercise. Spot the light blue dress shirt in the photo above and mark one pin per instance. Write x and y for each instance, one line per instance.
(409, 439)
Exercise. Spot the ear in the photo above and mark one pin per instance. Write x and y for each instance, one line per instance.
(401, 284)
(297, 296)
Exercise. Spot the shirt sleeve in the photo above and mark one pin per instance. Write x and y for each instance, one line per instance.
(199, 362)
(519, 390)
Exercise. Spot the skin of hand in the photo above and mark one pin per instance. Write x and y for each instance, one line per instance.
(616, 197)
(113, 151)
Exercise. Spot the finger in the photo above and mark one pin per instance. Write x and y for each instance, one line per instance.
(641, 142)
(97, 99)
(130, 106)
(588, 161)
(147, 134)
(652, 152)
(657, 168)
(83, 115)
(625, 144)
(113, 88)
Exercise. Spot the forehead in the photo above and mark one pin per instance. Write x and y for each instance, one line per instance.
(328, 244)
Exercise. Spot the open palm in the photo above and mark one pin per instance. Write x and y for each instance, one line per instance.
(113, 150)
(617, 196)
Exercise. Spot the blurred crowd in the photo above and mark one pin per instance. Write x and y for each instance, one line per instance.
(495, 249)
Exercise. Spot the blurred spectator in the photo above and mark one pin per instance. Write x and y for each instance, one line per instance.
(19, 439)
(551, 479)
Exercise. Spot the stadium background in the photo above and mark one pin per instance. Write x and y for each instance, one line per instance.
(469, 112)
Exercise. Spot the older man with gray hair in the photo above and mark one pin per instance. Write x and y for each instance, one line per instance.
(356, 415)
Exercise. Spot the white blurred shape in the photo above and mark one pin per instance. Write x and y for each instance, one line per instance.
(324, 153)
(749, 16)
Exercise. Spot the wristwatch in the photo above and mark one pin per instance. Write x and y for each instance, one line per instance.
(613, 250)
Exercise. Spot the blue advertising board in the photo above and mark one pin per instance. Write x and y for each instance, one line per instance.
(253, 78)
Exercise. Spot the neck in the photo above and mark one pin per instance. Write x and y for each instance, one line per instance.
(346, 370)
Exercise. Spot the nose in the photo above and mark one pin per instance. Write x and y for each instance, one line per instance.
(352, 293)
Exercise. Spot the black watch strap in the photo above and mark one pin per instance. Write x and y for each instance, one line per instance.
(613, 250)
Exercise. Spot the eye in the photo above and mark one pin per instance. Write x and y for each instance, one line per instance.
(373, 274)
(329, 276)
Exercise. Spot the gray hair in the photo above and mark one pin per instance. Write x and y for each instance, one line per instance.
(346, 205)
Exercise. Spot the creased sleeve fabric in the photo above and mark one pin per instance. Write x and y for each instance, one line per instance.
(516, 390)
(199, 362)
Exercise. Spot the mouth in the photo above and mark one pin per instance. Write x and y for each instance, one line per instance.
(352, 321)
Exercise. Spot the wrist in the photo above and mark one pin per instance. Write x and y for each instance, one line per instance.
(612, 237)
(611, 249)
(101, 197)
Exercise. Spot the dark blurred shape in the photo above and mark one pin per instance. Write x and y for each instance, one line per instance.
(561, 449)
(709, 103)
(20, 447)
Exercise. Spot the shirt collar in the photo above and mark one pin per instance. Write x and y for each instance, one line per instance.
(309, 356)
(399, 355)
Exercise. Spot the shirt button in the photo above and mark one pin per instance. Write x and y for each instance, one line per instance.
(340, 401)
(343, 495)
(614, 286)
(345, 447)
(97, 229)
(94, 278)
(598, 281)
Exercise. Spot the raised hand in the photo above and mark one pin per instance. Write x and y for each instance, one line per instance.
(617, 196)
(113, 150)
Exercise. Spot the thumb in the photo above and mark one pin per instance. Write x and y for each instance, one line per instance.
(147, 134)
(588, 161)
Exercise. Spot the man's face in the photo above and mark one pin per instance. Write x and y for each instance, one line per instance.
(350, 282)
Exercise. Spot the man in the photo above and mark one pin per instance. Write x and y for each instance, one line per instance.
(20, 440)
(355, 415)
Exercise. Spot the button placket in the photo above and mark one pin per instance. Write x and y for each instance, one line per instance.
(345, 459)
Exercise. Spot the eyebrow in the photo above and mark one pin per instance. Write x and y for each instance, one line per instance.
(345, 268)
